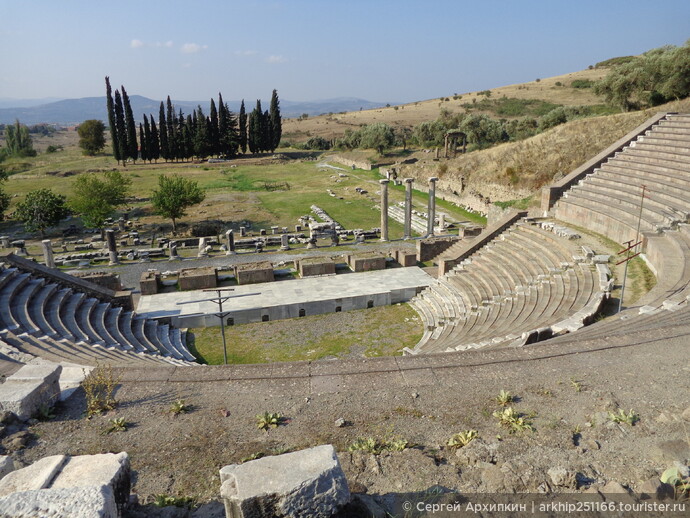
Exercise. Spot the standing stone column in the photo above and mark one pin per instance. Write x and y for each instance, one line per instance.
(384, 209)
(243, 231)
(432, 206)
(442, 222)
(230, 238)
(112, 246)
(202, 248)
(284, 243)
(172, 250)
(408, 208)
(48, 253)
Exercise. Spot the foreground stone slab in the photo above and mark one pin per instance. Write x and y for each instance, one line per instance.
(29, 388)
(305, 484)
(81, 502)
(105, 478)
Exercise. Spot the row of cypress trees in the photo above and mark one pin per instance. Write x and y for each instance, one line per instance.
(176, 137)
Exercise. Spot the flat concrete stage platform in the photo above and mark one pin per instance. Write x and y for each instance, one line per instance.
(288, 299)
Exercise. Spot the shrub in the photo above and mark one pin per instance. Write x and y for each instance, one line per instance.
(582, 83)
(317, 143)
(99, 387)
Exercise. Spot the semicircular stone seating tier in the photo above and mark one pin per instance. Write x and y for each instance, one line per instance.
(46, 320)
(609, 201)
(525, 285)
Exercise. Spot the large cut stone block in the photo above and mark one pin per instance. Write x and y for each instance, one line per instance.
(30, 387)
(102, 478)
(305, 484)
(81, 502)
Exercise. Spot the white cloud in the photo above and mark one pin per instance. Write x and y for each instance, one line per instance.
(192, 48)
(245, 53)
(275, 59)
(167, 44)
(135, 44)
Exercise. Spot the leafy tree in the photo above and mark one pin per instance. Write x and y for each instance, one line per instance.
(130, 128)
(4, 197)
(275, 121)
(111, 119)
(18, 141)
(243, 128)
(378, 136)
(41, 209)
(482, 130)
(91, 136)
(174, 195)
(96, 197)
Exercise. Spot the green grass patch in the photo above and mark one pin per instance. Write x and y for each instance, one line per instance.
(512, 107)
(522, 204)
(379, 331)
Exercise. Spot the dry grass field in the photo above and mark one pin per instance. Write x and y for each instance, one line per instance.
(408, 115)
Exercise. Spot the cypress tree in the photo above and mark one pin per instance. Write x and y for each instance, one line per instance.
(172, 126)
(255, 133)
(243, 128)
(223, 148)
(120, 128)
(231, 139)
(111, 119)
(276, 124)
(213, 131)
(143, 152)
(266, 132)
(163, 125)
(131, 128)
(154, 144)
(183, 152)
(200, 135)
(189, 136)
(147, 140)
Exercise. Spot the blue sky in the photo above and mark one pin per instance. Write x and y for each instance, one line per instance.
(380, 50)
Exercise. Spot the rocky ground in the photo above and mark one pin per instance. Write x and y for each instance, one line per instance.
(565, 397)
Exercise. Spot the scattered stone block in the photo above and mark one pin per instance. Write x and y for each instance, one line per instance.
(29, 388)
(314, 266)
(366, 262)
(254, 273)
(308, 483)
(92, 484)
(198, 278)
(148, 283)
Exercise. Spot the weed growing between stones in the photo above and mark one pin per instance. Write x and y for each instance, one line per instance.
(621, 417)
(514, 421)
(462, 439)
(186, 502)
(117, 425)
(504, 398)
(45, 412)
(681, 484)
(99, 387)
(377, 446)
(179, 407)
(268, 420)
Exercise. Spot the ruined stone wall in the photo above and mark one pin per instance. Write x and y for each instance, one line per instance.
(429, 248)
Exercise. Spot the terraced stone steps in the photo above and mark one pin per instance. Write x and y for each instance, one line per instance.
(42, 319)
(522, 280)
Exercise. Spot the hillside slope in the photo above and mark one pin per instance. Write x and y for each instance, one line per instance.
(516, 170)
(408, 115)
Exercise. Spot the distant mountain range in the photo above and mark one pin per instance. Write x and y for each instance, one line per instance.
(74, 111)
